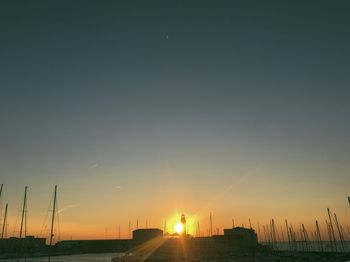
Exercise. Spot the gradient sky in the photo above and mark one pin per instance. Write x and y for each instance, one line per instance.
(146, 110)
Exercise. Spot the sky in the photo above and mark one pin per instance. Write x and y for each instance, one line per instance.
(150, 109)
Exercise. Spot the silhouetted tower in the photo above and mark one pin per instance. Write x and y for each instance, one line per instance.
(183, 222)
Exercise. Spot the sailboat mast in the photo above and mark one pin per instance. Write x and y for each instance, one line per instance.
(211, 225)
(331, 228)
(318, 234)
(342, 240)
(53, 215)
(4, 223)
(2, 185)
(198, 230)
(1, 199)
(24, 210)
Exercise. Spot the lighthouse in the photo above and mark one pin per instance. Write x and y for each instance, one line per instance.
(183, 222)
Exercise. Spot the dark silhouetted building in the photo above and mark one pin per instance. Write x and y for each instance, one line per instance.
(22, 245)
(143, 235)
(94, 246)
(245, 235)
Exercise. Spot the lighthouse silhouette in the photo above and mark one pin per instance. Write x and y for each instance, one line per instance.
(183, 222)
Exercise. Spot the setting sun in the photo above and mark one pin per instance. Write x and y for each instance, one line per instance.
(179, 228)
(161, 131)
